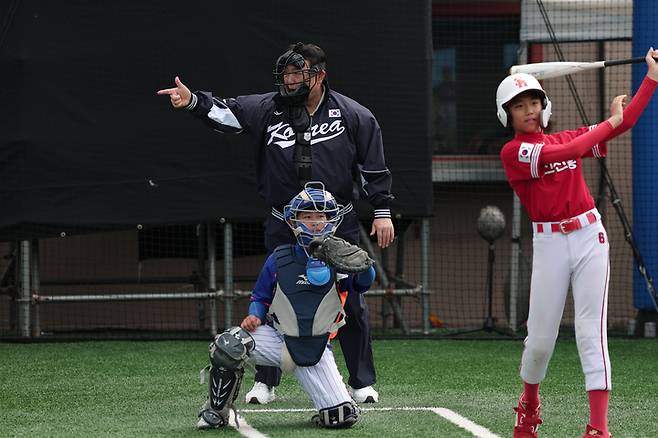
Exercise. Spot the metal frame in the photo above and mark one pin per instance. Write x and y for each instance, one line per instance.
(30, 297)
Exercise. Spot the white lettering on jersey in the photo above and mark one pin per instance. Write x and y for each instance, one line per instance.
(283, 135)
(560, 166)
(524, 152)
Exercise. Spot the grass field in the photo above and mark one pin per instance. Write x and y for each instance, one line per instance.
(152, 389)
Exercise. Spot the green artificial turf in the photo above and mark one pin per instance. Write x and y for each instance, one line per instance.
(152, 389)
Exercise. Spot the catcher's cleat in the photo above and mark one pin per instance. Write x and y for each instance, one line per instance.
(260, 394)
(342, 416)
(364, 395)
(210, 418)
(594, 432)
(528, 419)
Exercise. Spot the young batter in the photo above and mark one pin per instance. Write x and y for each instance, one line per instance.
(570, 245)
(302, 298)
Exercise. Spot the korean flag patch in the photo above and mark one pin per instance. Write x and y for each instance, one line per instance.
(524, 152)
(334, 113)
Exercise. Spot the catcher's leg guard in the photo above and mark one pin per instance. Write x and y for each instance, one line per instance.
(342, 416)
(228, 352)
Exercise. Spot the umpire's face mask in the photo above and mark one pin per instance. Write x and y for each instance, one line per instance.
(293, 77)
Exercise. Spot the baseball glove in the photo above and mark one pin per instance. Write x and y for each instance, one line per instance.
(340, 254)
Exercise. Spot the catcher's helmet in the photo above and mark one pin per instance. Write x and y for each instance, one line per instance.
(295, 57)
(313, 198)
(512, 86)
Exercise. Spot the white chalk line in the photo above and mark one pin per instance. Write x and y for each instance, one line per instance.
(452, 416)
(245, 428)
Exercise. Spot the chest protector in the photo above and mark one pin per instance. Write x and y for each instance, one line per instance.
(304, 314)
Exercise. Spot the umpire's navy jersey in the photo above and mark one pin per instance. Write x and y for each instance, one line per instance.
(346, 140)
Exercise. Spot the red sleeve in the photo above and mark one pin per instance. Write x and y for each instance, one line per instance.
(635, 107)
(521, 160)
(598, 150)
(577, 147)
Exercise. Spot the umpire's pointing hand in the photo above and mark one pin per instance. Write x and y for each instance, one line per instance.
(383, 227)
(180, 95)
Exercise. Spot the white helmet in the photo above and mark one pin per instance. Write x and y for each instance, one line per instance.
(512, 86)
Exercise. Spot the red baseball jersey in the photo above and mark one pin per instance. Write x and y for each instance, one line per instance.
(553, 191)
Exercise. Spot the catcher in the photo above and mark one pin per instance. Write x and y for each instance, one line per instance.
(296, 308)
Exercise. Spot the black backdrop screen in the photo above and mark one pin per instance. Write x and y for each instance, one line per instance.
(86, 141)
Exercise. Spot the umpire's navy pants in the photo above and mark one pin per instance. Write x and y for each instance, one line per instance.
(354, 336)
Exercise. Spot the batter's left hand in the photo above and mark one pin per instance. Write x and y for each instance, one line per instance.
(383, 227)
(652, 64)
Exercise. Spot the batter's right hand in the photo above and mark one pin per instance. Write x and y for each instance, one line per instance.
(180, 95)
(250, 323)
(617, 110)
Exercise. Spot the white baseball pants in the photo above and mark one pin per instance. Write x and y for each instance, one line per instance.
(580, 259)
(322, 382)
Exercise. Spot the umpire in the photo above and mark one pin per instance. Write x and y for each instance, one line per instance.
(307, 131)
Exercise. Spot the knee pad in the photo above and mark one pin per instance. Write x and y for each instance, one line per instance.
(342, 416)
(230, 349)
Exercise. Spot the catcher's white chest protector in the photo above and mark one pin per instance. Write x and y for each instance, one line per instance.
(304, 314)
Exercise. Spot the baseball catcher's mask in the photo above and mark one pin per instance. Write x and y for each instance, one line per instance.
(314, 198)
(295, 59)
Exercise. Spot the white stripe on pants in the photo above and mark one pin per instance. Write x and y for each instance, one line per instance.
(579, 258)
(322, 382)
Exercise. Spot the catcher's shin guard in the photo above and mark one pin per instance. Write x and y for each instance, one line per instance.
(342, 416)
(228, 352)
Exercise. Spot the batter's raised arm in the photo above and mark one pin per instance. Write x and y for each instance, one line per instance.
(642, 97)
(180, 95)
(652, 65)
(583, 144)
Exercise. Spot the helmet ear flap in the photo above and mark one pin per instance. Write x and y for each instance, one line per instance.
(502, 116)
(546, 112)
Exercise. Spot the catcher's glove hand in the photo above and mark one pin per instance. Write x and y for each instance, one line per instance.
(340, 254)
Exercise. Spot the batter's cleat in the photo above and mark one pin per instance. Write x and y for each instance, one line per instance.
(260, 394)
(591, 432)
(364, 395)
(528, 420)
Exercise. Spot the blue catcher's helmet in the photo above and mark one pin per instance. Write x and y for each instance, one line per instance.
(314, 198)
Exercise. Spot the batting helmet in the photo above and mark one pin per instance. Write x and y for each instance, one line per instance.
(313, 198)
(512, 86)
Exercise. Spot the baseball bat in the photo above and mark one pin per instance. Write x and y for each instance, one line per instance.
(548, 70)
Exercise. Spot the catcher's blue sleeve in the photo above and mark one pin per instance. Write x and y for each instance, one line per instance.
(360, 282)
(261, 296)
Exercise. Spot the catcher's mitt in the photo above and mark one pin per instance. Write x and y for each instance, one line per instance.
(340, 254)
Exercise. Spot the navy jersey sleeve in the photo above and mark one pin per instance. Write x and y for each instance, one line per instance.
(376, 179)
(232, 115)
